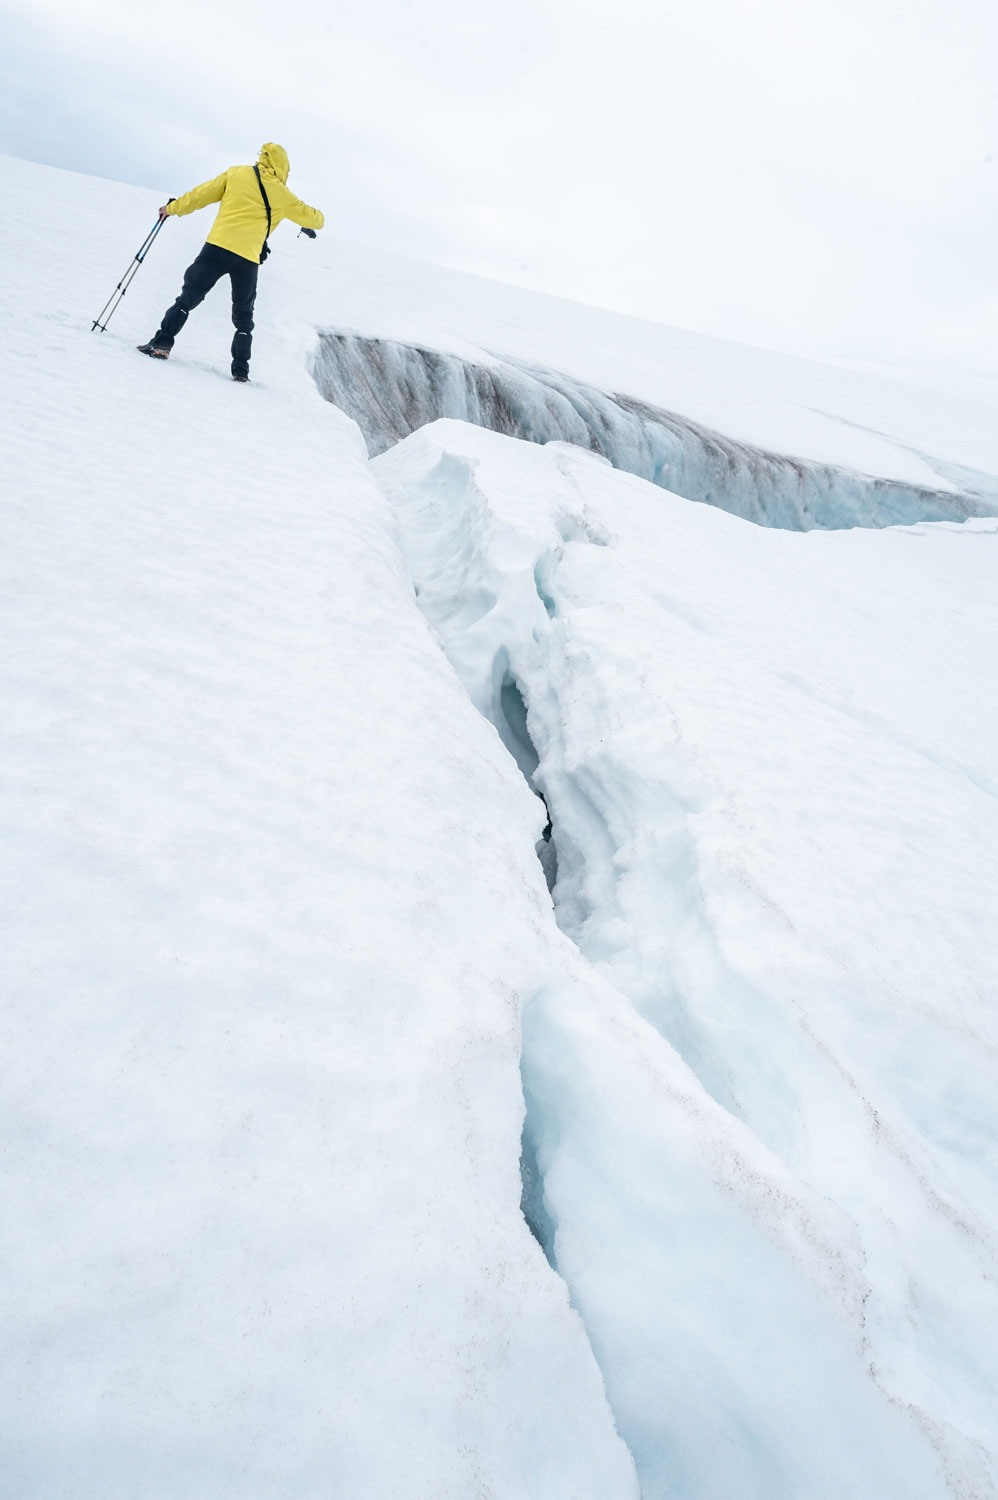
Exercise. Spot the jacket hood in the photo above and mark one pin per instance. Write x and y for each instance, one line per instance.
(274, 159)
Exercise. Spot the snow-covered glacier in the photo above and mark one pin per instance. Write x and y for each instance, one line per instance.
(391, 389)
(498, 962)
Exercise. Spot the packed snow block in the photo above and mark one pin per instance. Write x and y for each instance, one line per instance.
(771, 783)
(391, 389)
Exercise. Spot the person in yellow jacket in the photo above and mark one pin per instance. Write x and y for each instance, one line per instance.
(253, 201)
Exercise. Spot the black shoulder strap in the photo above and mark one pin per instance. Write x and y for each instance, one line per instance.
(266, 203)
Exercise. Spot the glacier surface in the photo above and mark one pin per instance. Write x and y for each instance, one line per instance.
(743, 812)
(375, 1126)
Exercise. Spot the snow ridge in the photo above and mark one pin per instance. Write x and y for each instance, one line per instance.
(391, 389)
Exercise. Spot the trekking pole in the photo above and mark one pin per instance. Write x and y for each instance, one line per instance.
(127, 277)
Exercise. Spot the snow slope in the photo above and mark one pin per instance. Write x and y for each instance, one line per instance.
(292, 1021)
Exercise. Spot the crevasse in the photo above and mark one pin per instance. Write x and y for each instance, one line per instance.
(692, 1137)
(667, 1170)
(392, 388)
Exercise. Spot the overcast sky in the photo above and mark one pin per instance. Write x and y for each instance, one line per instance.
(819, 176)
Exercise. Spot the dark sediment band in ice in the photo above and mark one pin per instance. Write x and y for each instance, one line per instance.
(391, 388)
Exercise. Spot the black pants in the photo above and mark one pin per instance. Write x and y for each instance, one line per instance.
(210, 266)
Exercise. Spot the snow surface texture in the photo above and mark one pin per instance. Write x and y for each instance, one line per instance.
(262, 865)
(281, 965)
(391, 389)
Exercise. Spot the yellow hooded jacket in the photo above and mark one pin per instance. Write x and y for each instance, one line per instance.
(241, 222)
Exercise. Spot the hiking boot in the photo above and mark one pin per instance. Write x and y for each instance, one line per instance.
(243, 379)
(156, 350)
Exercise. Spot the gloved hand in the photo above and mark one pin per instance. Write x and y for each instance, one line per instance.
(309, 232)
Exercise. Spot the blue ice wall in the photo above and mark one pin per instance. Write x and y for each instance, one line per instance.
(391, 388)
